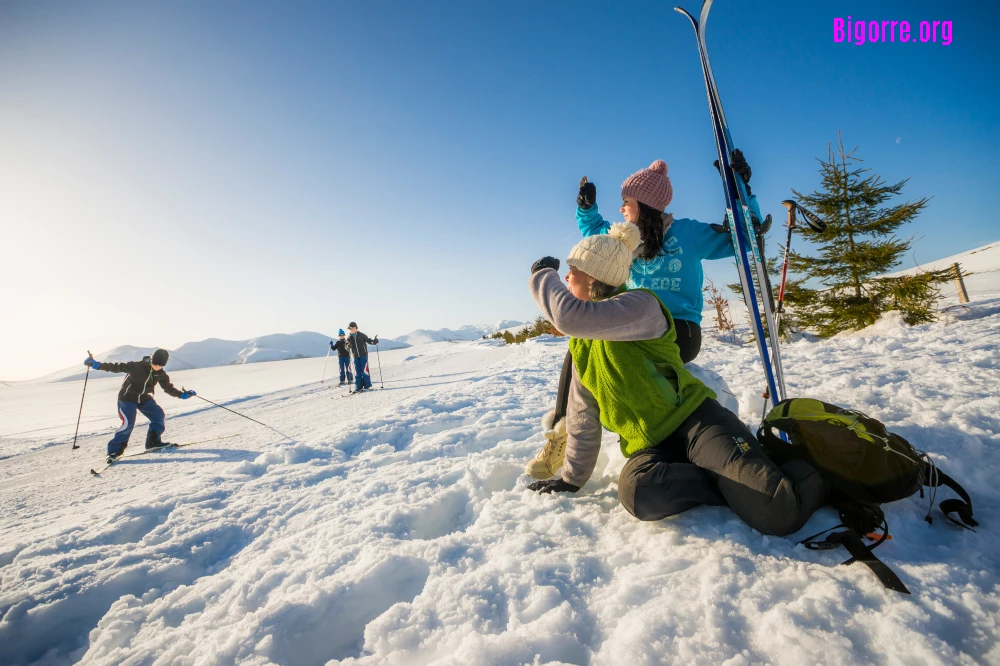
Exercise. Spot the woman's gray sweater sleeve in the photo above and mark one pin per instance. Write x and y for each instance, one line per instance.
(583, 427)
(629, 316)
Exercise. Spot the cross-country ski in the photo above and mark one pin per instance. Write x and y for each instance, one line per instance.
(119, 459)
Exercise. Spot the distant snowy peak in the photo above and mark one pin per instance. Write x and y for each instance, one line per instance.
(467, 332)
(214, 352)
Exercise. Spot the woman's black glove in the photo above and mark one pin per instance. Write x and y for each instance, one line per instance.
(588, 194)
(739, 164)
(545, 262)
(553, 486)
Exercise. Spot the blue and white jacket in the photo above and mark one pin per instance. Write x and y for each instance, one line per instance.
(675, 274)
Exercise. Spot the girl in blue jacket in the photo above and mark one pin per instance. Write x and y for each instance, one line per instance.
(669, 259)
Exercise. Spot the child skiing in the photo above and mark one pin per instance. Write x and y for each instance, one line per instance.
(627, 375)
(136, 394)
(358, 343)
(343, 357)
(668, 263)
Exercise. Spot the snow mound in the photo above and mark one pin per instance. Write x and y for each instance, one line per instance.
(889, 323)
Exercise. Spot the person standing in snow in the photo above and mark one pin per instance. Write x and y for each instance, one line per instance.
(343, 357)
(358, 343)
(667, 262)
(136, 394)
(683, 448)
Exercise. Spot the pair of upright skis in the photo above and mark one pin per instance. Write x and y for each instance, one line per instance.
(741, 210)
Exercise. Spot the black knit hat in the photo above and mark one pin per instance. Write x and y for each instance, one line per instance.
(352, 325)
(159, 357)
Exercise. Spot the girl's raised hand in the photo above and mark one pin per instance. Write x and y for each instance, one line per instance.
(588, 194)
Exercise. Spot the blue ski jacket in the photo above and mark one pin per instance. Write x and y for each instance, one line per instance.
(675, 275)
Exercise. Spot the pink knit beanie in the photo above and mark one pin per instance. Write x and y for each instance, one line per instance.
(650, 186)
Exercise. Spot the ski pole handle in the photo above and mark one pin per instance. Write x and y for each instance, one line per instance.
(790, 205)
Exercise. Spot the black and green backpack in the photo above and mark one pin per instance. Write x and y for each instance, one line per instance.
(866, 466)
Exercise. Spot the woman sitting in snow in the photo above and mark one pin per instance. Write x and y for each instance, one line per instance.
(667, 262)
(684, 448)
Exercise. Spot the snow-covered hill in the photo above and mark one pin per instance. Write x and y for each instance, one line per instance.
(981, 268)
(214, 352)
(982, 282)
(397, 528)
(467, 332)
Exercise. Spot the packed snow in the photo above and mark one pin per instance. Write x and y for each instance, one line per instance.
(397, 528)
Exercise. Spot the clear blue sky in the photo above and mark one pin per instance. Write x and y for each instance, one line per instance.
(176, 171)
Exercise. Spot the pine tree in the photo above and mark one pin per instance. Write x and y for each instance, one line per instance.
(859, 245)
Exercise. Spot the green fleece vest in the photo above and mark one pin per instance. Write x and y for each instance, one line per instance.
(643, 391)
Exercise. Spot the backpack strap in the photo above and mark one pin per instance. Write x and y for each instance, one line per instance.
(849, 539)
(960, 507)
(857, 516)
(862, 553)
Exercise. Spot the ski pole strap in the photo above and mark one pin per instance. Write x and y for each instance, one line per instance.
(562, 396)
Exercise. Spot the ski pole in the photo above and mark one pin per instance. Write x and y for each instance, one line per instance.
(85, 378)
(244, 416)
(324, 366)
(379, 359)
(790, 205)
(816, 224)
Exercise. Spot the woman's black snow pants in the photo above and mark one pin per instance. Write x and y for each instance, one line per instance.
(712, 458)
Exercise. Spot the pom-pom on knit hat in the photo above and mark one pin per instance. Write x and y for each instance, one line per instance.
(607, 257)
(650, 186)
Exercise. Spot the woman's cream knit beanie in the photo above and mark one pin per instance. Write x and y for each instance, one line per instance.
(607, 257)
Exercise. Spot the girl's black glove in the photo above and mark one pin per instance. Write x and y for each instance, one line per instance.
(553, 486)
(588, 194)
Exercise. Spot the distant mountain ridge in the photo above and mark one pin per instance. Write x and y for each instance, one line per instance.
(469, 332)
(214, 352)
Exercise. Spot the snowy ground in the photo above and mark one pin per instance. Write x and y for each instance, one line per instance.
(397, 528)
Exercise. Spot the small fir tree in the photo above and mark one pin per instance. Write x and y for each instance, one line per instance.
(858, 245)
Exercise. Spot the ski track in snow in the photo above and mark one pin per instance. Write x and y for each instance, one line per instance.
(397, 528)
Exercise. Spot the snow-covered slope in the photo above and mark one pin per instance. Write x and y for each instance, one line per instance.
(467, 332)
(397, 528)
(981, 268)
(214, 352)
